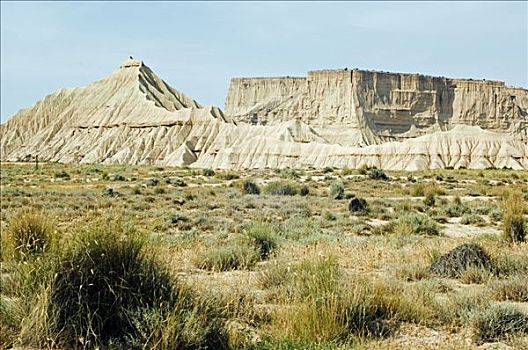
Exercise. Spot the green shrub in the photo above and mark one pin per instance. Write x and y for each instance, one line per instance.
(377, 174)
(304, 190)
(263, 238)
(472, 219)
(430, 200)
(417, 224)
(457, 261)
(499, 322)
(455, 208)
(329, 216)
(62, 175)
(208, 172)
(118, 177)
(281, 188)
(514, 225)
(250, 187)
(28, 233)
(337, 190)
(152, 182)
(176, 182)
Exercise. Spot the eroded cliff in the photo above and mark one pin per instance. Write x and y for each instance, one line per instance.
(379, 106)
(331, 118)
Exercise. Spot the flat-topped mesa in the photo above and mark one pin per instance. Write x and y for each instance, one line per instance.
(391, 105)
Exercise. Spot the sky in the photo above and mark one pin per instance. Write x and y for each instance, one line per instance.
(197, 47)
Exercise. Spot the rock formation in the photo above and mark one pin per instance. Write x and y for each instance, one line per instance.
(378, 106)
(331, 118)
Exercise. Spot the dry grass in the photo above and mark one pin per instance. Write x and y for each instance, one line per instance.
(287, 271)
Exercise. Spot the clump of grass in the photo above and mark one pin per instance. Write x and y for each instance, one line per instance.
(281, 188)
(422, 189)
(250, 187)
(28, 233)
(230, 257)
(97, 285)
(498, 323)
(472, 219)
(514, 288)
(228, 176)
(263, 238)
(457, 261)
(417, 224)
(513, 224)
(337, 190)
(455, 208)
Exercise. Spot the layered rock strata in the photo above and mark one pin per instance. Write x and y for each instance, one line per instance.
(332, 118)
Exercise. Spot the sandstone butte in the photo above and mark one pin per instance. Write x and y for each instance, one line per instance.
(339, 118)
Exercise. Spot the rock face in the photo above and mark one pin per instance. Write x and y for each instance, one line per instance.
(376, 106)
(332, 118)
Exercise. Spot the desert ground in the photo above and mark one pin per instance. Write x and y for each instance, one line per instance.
(175, 257)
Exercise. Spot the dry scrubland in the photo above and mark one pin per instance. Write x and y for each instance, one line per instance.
(133, 257)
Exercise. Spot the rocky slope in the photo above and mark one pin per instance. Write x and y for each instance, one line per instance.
(332, 118)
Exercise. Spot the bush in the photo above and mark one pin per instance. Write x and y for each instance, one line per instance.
(152, 182)
(281, 188)
(329, 216)
(457, 261)
(417, 224)
(230, 257)
(455, 208)
(337, 190)
(514, 288)
(62, 175)
(262, 237)
(513, 225)
(176, 182)
(472, 219)
(304, 190)
(430, 200)
(97, 285)
(250, 187)
(28, 233)
(118, 177)
(499, 322)
(377, 174)
(358, 205)
(208, 172)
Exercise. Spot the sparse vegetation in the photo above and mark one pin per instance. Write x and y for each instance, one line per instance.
(263, 271)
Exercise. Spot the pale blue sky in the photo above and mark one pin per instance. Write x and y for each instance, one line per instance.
(198, 46)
